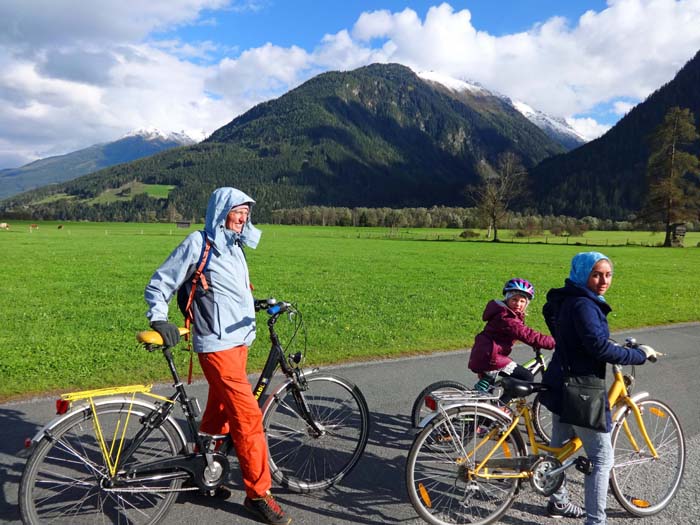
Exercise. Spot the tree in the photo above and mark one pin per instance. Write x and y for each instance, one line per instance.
(672, 197)
(498, 189)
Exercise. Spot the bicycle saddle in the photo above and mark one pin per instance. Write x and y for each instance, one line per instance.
(151, 337)
(518, 388)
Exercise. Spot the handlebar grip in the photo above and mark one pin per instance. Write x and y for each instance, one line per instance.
(274, 309)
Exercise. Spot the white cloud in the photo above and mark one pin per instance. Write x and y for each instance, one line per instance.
(622, 108)
(73, 73)
(587, 127)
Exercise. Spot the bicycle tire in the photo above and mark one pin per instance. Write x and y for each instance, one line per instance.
(419, 410)
(301, 460)
(541, 420)
(642, 485)
(65, 480)
(436, 479)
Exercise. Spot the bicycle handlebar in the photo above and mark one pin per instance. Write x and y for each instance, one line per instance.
(631, 342)
(271, 305)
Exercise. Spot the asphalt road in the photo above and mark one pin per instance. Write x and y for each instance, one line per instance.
(375, 491)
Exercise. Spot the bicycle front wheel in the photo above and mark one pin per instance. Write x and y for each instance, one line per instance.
(542, 420)
(67, 479)
(441, 483)
(642, 484)
(304, 458)
(420, 410)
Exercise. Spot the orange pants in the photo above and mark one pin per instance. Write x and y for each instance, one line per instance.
(232, 408)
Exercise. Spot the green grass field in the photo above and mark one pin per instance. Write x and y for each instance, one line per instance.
(73, 297)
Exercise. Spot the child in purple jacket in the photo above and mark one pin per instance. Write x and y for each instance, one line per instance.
(505, 324)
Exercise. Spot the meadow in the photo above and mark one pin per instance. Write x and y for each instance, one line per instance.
(72, 298)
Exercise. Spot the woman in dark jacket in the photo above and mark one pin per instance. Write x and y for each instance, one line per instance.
(578, 318)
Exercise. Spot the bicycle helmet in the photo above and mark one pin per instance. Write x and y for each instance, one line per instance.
(520, 286)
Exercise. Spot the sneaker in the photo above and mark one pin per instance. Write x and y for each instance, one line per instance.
(565, 510)
(268, 509)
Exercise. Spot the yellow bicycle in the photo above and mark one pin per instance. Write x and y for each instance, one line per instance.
(467, 464)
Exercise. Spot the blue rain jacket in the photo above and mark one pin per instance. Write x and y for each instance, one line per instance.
(224, 317)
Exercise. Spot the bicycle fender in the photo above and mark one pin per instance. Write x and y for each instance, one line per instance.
(482, 406)
(84, 406)
(620, 412)
(272, 395)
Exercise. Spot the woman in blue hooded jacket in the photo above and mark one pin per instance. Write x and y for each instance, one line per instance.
(223, 330)
(580, 329)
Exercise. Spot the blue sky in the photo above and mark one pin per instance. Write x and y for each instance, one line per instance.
(75, 73)
(305, 22)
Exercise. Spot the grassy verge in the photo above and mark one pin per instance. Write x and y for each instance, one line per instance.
(73, 297)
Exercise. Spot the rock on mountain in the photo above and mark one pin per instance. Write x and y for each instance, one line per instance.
(62, 168)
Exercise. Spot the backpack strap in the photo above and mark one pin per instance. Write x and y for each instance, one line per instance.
(197, 278)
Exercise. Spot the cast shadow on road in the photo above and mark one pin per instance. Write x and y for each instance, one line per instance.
(375, 491)
(368, 495)
(15, 429)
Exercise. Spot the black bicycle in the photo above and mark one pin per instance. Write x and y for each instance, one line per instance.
(118, 455)
(425, 405)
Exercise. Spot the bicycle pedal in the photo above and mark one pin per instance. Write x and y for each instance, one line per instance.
(583, 464)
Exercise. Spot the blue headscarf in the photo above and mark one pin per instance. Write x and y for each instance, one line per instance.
(581, 266)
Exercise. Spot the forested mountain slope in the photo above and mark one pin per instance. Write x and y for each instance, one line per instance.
(375, 136)
(607, 177)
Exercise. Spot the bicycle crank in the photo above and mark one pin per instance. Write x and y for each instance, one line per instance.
(547, 475)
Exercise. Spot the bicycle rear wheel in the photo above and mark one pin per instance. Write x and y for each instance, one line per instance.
(66, 479)
(644, 485)
(420, 410)
(303, 459)
(438, 478)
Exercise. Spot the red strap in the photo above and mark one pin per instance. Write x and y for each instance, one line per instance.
(198, 276)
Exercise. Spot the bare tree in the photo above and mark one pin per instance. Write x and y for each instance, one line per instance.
(673, 196)
(498, 189)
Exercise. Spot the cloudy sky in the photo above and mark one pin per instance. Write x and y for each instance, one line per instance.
(76, 72)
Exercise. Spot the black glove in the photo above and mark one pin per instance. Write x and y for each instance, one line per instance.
(168, 331)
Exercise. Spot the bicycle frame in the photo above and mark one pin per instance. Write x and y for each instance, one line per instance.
(619, 399)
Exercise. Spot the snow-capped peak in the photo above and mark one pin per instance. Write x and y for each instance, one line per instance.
(450, 82)
(547, 122)
(181, 137)
(556, 128)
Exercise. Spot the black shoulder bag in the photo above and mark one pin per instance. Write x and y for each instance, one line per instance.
(583, 401)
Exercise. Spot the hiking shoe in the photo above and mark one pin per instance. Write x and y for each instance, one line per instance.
(566, 510)
(267, 509)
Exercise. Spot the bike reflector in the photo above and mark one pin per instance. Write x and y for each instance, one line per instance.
(641, 503)
(657, 412)
(424, 495)
(62, 406)
(430, 402)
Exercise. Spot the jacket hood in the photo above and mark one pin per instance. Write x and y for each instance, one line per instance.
(220, 203)
(498, 308)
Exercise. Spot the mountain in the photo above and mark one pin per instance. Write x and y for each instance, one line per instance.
(375, 136)
(63, 168)
(555, 128)
(607, 177)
